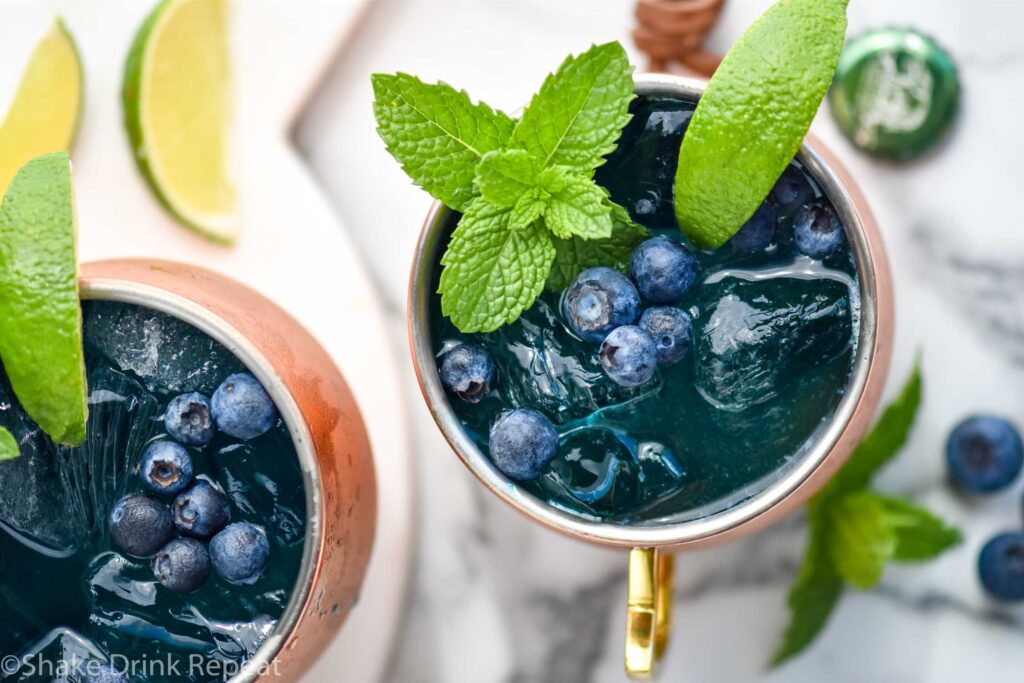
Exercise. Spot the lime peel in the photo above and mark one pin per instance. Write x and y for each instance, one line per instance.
(754, 115)
(40, 313)
(176, 111)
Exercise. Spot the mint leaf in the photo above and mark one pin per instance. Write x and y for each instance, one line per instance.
(920, 535)
(491, 273)
(578, 208)
(862, 539)
(576, 254)
(528, 208)
(885, 440)
(503, 176)
(813, 596)
(437, 133)
(580, 110)
(8, 446)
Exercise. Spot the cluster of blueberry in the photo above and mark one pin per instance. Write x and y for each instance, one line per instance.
(143, 526)
(985, 455)
(604, 306)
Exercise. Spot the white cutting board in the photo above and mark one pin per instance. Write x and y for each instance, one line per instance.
(292, 249)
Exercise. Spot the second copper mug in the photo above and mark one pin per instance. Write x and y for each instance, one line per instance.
(651, 543)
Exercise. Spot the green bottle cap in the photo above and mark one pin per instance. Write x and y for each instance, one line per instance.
(895, 93)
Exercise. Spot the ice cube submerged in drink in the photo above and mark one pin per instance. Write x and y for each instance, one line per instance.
(687, 383)
(169, 544)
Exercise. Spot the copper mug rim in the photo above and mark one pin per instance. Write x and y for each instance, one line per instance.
(822, 459)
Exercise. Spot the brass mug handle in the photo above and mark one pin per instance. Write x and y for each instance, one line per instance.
(649, 610)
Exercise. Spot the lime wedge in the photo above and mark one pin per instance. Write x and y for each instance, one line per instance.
(754, 115)
(40, 316)
(43, 116)
(177, 113)
(8, 446)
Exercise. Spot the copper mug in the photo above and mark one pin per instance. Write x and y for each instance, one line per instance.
(650, 561)
(325, 425)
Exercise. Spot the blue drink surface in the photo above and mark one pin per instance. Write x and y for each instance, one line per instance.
(774, 338)
(65, 591)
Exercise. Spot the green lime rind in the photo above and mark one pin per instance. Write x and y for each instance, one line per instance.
(40, 315)
(754, 115)
(130, 101)
(8, 446)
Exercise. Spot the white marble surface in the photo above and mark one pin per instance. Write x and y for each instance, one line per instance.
(498, 599)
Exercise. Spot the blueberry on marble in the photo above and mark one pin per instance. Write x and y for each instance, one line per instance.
(522, 443)
(468, 372)
(201, 511)
(817, 230)
(984, 454)
(101, 672)
(242, 408)
(599, 300)
(758, 232)
(792, 188)
(629, 356)
(1001, 567)
(166, 467)
(239, 553)
(188, 420)
(140, 525)
(663, 270)
(672, 332)
(183, 565)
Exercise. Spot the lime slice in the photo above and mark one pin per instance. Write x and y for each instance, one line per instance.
(754, 115)
(40, 316)
(177, 113)
(43, 116)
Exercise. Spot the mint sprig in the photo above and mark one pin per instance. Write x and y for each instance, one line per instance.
(526, 188)
(8, 446)
(855, 532)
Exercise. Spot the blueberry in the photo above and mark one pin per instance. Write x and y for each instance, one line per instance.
(240, 552)
(817, 230)
(188, 419)
(201, 511)
(792, 188)
(663, 270)
(598, 301)
(1001, 567)
(183, 565)
(629, 356)
(984, 454)
(139, 525)
(672, 332)
(468, 372)
(242, 408)
(758, 232)
(101, 672)
(166, 467)
(522, 443)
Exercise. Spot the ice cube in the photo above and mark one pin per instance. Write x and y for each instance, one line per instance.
(251, 490)
(756, 333)
(122, 418)
(595, 470)
(30, 491)
(168, 355)
(128, 606)
(60, 656)
(54, 499)
(544, 367)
